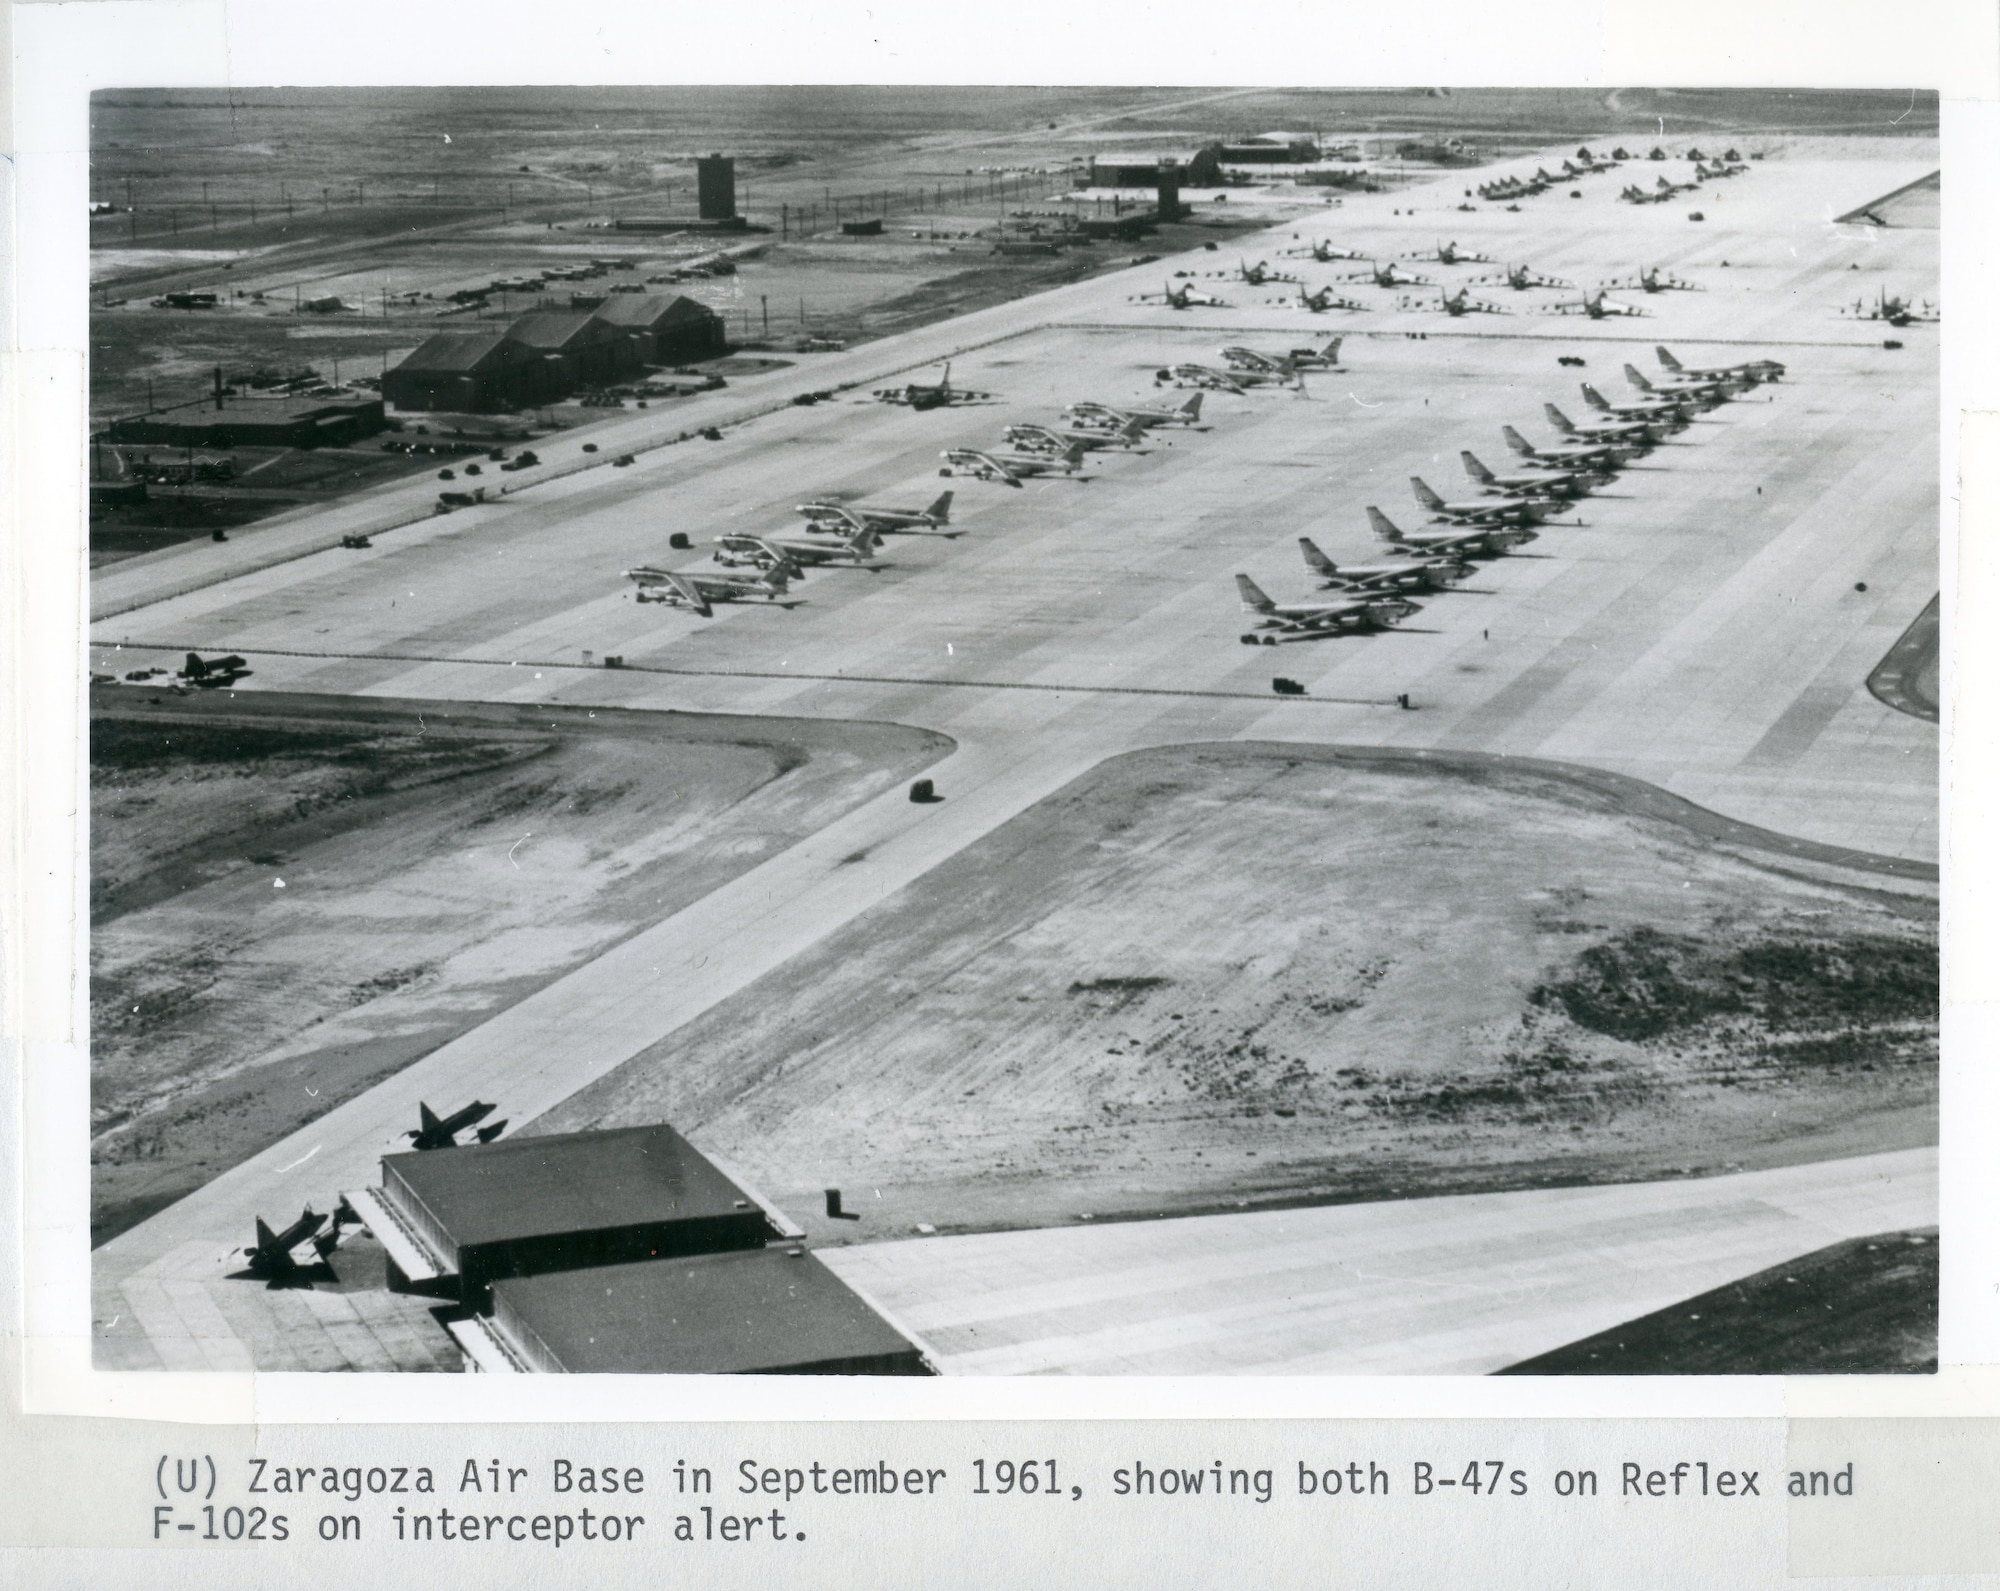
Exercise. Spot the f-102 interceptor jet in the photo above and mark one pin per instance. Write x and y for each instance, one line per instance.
(441, 1132)
(272, 1258)
(1372, 611)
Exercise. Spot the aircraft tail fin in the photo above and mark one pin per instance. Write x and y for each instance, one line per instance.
(1478, 471)
(1632, 375)
(1134, 431)
(1331, 352)
(195, 667)
(1073, 455)
(1667, 360)
(1518, 442)
(427, 1118)
(1380, 524)
(1192, 408)
(265, 1236)
(1594, 398)
(1317, 561)
(1428, 498)
(1558, 419)
(1253, 599)
(940, 511)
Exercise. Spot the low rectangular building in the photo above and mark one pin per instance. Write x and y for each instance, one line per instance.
(258, 420)
(457, 1220)
(772, 1311)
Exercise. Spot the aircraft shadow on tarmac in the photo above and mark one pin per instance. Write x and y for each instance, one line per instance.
(304, 1277)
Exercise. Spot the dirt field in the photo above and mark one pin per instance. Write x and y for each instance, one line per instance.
(294, 897)
(1868, 1306)
(1205, 978)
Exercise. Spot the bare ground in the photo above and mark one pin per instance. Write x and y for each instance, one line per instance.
(1215, 977)
(295, 897)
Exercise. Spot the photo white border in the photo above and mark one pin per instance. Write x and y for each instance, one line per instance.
(61, 53)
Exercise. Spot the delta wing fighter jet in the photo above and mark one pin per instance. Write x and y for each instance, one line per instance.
(1375, 611)
(1528, 483)
(1325, 299)
(1520, 278)
(1481, 510)
(1010, 469)
(441, 1132)
(1487, 541)
(1434, 573)
(1450, 254)
(1654, 280)
(700, 590)
(1625, 433)
(1753, 371)
(1595, 305)
(271, 1257)
(853, 518)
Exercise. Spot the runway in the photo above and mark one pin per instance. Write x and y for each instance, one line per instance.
(1708, 630)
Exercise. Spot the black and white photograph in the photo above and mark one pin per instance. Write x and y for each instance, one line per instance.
(975, 731)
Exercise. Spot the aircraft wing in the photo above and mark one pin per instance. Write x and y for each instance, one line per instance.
(690, 592)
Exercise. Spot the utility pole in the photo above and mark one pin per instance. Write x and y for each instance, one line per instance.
(766, 302)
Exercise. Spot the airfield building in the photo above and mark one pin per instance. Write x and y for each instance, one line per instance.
(666, 330)
(715, 187)
(258, 420)
(767, 1311)
(457, 1220)
(469, 372)
(1201, 168)
(576, 347)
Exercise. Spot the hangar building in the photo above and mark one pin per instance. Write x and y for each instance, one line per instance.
(664, 330)
(257, 420)
(471, 372)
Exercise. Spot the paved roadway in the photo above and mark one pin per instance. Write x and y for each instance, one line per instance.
(1696, 632)
(1465, 1285)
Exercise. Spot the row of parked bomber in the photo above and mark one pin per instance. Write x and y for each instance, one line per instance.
(1504, 508)
(761, 566)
